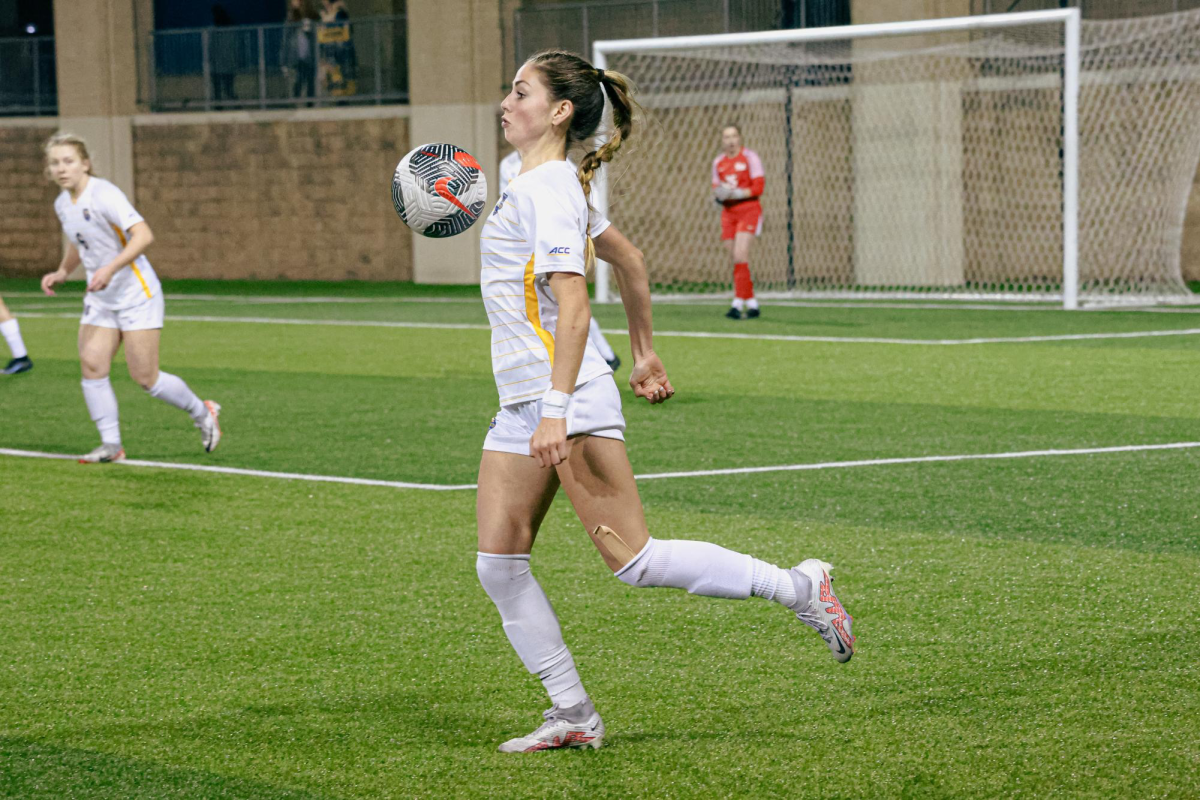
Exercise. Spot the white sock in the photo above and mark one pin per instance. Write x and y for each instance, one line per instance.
(752, 303)
(606, 352)
(772, 583)
(739, 303)
(12, 335)
(171, 389)
(700, 567)
(102, 405)
(531, 625)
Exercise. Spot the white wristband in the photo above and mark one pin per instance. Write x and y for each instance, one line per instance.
(554, 404)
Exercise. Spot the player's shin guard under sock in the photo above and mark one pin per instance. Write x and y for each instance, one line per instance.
(102, 406)
(743, 286)
(598, 339)
(171, 389)
(12, 334)
(699, 567)
(531, 625)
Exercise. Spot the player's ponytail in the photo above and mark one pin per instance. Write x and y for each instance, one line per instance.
(569, 77)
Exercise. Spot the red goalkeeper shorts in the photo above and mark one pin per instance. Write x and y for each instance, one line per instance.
(743, 217)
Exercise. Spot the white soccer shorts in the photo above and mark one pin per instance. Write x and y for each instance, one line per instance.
(144, 316)
(595, 410)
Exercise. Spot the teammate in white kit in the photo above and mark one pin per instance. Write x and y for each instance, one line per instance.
(598, 224)
(560, 420)
(11, 332)
(124, 301)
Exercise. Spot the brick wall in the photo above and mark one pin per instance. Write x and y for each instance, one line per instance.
(29, 233)
(300, 200)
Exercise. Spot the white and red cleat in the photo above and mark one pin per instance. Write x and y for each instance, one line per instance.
(822, 610)
(577, 726)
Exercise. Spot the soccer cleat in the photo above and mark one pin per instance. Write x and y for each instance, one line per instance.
(614, 363)
(210, 428)
(822, 610)
(733, 313)
(576, 726)
(17, 365)
(104, 454)
(753, 313)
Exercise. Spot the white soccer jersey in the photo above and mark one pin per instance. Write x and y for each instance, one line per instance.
(98, 225)
(510, 168)
(536, 228)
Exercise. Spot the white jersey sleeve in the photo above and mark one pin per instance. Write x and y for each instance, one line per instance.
(112, 204)
(556, 223)
(597, 223)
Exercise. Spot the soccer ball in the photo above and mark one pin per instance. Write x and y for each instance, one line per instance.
(439, 190)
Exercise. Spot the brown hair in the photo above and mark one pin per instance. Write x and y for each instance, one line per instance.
(569, 77)
(67, 138)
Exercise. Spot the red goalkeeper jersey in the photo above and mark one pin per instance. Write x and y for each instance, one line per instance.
(743, 171)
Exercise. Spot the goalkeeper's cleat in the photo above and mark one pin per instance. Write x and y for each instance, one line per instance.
(210, 428)
(104, 454)
(753, 313)
(733, 313)
(576, 726)
(821, 609)
(17, 365)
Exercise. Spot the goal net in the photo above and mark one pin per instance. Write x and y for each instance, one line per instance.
(1017, 156)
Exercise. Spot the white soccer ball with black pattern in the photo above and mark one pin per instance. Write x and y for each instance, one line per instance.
(439, 190)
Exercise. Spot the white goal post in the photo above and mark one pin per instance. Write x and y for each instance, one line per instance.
(927, 159)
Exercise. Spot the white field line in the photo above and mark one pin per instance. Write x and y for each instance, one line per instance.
(1065, 337)
(949, 305)
(877, 462)
(292, 476)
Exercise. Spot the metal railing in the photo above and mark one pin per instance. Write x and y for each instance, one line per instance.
(28, 85)
(574, 26)
(359, 61)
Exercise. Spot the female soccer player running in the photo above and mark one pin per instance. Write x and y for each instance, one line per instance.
(124, 300)
(738, 180)
(560, 419)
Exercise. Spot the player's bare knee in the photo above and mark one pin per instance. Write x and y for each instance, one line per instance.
(144, 378)
(616, 551)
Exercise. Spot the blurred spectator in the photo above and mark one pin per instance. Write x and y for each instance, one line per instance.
(222, 55)
(298, 52)
(338, 59)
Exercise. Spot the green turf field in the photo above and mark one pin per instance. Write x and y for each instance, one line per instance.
(1026, 626)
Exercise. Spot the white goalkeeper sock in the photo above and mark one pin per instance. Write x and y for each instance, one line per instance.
(707, 569)
(531, 625)
(739, 303)
(171, 389)
(752, 303)
(606, 352)
(102, 406)
(12, 334)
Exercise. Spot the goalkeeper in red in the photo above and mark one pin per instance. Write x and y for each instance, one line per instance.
(737, 182)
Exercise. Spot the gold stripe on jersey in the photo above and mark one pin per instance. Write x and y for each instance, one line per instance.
(534, 313)
(132, 264)
(525, 380)
(520, 366)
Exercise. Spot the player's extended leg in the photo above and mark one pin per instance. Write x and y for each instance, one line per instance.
(141, 353)
(743, 285)
(599, 482)
(513, 497)
(97, 346)
(735, 310)
(11, 331)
